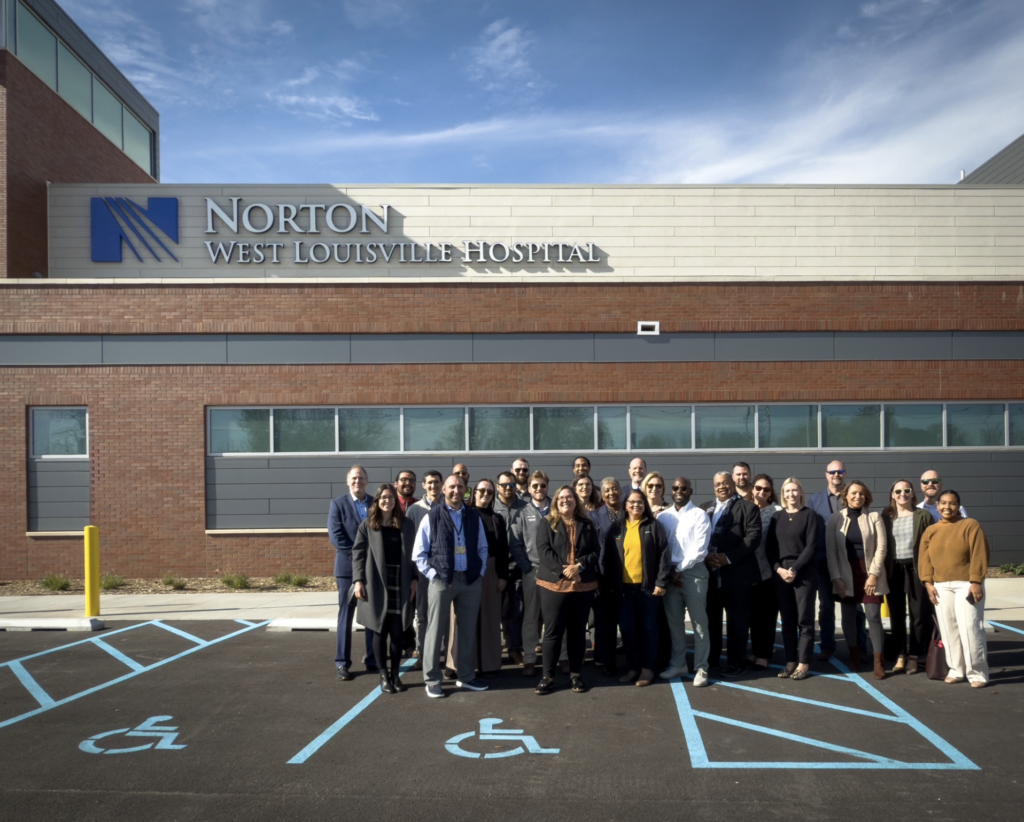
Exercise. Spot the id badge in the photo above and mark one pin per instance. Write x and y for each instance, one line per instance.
(460, 549)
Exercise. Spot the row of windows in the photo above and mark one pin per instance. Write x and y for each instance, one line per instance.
(613, 428)
(50, 60)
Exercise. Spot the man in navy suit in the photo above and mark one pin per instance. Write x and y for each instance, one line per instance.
(347, 511)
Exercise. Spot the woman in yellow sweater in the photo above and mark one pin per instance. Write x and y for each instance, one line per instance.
(953, 562)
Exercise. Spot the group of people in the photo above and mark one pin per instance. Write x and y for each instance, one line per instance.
(468, 573)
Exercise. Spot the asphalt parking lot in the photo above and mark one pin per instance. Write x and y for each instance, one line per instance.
(224, 720)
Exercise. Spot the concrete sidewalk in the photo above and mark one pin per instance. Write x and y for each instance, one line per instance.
(1004, 602)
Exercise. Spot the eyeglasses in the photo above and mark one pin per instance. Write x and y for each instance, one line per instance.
(723, 485)
(655, 485)
(538, 485)
(639, 502)
(902, 492)
(485, 490)
(839, 471)
(506, 485)
(762, 488)
(680, 487)
(520, 470)
(931, 482)
(461, 473)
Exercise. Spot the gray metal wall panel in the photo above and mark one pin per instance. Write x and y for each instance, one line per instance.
(1004, 167)
(234, 463)
(662, 348)
(315, 508)
(58, 479)
(266, 521)
(58, 524)
(533, 347)
(58, 495)
(893, 345)
(270, 490)
(229, 507)
(773, 346)
(289, 348)
(78, 465)
(988, 345)
(48, 511)
(165, 349)
(412, 348)
(50, 349)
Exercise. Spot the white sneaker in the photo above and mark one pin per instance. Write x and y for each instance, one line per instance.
(700, 680)
(671, 672)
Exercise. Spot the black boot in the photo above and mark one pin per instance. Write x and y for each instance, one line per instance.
(396, 680)
(385, 683)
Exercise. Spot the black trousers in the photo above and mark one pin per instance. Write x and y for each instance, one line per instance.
(734, 599)
(606, 623)
(906, 588)
(564, 614)
(796, 603)
(764, 614)
(388, 643)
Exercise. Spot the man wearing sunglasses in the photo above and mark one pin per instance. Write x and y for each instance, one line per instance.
(525, 528)
(521, 471)
(931, 487)
(509, 505)
(825, 503)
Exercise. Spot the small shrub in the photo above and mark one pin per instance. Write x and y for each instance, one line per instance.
(300, 581)
(171, 581)
(111, 582)
(236, 581)
(1010, 568)
(285, 578)
(56, 582)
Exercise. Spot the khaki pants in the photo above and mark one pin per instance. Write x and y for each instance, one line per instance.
(961, 624)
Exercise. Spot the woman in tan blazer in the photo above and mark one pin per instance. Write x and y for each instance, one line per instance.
(855, 546)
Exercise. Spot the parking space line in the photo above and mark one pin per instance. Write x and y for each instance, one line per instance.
(349, 715)
(127, 660)
(694, 741)
(16, 666)
(72, 644)
(244, 622)
(179, 632)
(804, 700)
(33, 687)
(1005, 627)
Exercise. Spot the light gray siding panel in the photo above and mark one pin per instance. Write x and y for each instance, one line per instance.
(58, 524)
(63, 466)
(58, 495)
(893, 345)
(533, 347)
(48, 511)
(59, 479)
(988, 345)
(268, 491)
(228, 507)
(662, 348)
(317, 508)
(412, 348)
(773, 346)
(289, 348)
(165, 349)
(50, 349)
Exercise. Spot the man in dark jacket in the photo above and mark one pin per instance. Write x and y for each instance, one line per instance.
(735, 533)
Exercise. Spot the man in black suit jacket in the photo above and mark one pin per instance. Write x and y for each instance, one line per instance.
(347, 511)
(735, 533)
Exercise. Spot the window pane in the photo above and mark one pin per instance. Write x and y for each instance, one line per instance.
(58, 431)
(303, 429)
(611, 427)
(787, 426)
(368, 429)
(851, 426)
(106, 113)
(725, 426)
(662, 426)
(74, 82)
(975, 424)
(240, 430)
(499, 429)
(435, 429)
(1017, 425)
(37, 47)
(561, 429)
(137, 142)
(913, 426)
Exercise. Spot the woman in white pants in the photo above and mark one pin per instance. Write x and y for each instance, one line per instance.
(953, 562)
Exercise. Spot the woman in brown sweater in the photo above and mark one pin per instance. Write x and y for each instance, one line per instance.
(953, 562)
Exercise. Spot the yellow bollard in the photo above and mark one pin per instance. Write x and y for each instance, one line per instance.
(92, 571)
(885, 607)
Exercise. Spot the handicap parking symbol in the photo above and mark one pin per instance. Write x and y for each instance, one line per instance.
(165, 734)
(489, 733)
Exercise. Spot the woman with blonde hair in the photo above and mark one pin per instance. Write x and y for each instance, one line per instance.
(653, 486)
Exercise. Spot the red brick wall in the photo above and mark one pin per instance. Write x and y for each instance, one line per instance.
(45, 140)
(366, 309)
(148, 441)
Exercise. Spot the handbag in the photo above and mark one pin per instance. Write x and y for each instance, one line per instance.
(935, 665)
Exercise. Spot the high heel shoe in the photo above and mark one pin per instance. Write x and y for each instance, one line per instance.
(396, 680)
(385, 684)
(912, 665)
(901, 664)
(879, 666)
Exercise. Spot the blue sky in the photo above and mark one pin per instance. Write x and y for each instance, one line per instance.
(452, 91)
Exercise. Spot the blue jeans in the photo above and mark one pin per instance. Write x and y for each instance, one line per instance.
(638, 621)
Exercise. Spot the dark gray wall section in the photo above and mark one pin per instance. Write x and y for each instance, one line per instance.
(51, 350)
(171, 349)
(285, 349)
(295, 492)
(1006, 167)
(58, 495)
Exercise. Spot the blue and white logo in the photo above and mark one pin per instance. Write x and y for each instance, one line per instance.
(117, 219)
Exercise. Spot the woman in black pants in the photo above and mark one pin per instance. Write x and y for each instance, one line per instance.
(566, 581)
(385, 581)
(905, 524)
(764, 603)
(792, 541)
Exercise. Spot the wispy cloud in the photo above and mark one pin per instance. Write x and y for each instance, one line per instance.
(330, 106)
(501, 58)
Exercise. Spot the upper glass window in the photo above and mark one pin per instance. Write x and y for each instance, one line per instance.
(787, 426)
(975, 425)
(725, 426)
(611, 427)
(435, 429)
(368, 429)
(1016, 424)
(60, 432)
(499, 429)
(74, 82)
(913, 426)
(304, 430)
(240, 430)
(659, 426)
(557, 429)
(37, 47)
(851, 426)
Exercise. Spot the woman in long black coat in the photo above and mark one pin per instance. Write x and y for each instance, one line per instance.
(385, 581)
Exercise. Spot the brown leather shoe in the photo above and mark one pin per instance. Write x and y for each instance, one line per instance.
(646, 677)
(911, 665)
(529, 669)
(879, 666)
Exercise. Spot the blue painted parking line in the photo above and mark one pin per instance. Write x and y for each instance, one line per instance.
(46, 702)
(803, 700)
(179, 632)
(1006, 627)
(244, 622)
(349, 715)
(127, 660)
